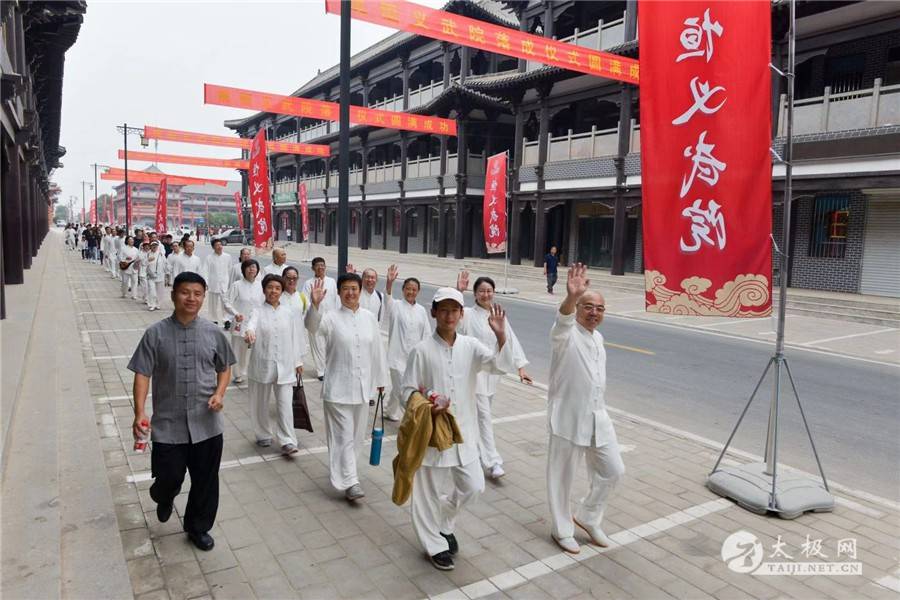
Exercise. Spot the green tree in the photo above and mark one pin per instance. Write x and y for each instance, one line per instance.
(222, 219)
(61, 213)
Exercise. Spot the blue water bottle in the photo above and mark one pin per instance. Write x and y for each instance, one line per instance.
(377, 433)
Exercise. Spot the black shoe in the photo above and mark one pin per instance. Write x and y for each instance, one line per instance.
(451, 541)
(443, 561)
(163, 512)
(321, 378)
(203, 541)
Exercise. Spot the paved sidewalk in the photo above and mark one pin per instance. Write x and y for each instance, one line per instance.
(625, 300)
(282, 532)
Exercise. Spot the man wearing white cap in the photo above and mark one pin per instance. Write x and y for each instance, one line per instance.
(447, 364)
(156, 273)
(578, 421)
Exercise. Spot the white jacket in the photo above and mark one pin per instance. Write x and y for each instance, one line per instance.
(278, 349)
(218, 272)
(408, 324)
(475, 323)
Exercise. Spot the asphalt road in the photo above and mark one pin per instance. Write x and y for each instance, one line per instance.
(699, 382)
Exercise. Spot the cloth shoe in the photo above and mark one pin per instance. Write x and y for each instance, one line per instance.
(163, 512)
(443, 561)
(598, 538)
(263, 443)
(289, 449)
(568, 544)
(451, 541)
(496, 472)
(354, 492)
(203, 541)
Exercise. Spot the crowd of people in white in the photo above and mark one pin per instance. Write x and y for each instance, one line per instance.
(455, 362)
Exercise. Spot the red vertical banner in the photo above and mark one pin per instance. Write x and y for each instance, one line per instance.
(494, 211)
(260, 201)
(240, 213)
(706, 174)
(304, 210)
(180, 213)
(162, 206)
(128, 211)
(94, 211)
(109, 210)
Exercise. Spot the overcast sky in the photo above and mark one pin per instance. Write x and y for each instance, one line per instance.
(145, 63)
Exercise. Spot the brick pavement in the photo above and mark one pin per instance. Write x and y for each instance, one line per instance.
(282, 532)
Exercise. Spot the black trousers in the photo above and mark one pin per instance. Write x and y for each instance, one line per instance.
(168, 463)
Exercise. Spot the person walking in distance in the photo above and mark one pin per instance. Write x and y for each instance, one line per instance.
(243, 297)
(156, 270)
(551, 263)
(408, 324)
(188, 362)
(355, 364)
(218, 272)
(579, 425)
(331, 302)
(447, 364)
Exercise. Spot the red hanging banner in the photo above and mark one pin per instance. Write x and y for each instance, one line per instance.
(161, 207)
(128, 212)
(320, 109)
(109, 210)
(706, 174)
(494, 211)
(180, 214)
(260, 202)
(240, 213)
(186, 160)
(456, 29)
(94, 211)
(206, 139)
(304, 210)
(117, 174)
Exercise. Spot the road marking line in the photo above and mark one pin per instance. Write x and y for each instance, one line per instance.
(113, 330)
(887, 351)
(118, 356)
(890, 582)
(558, 562)
(847, 337)
(731, 322)
(629, 348)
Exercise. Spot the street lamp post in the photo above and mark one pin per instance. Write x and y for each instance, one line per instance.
(125, 130)
(84, 215)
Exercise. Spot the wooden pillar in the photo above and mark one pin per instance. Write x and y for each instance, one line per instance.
(404, 64)
(540, 229)
(515, 222)
(404, 233)
(13, 246)
(364, 241)
(620, 215)
(461, 185)
(27, 196)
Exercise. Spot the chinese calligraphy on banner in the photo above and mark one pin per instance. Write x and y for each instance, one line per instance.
(457, 29)
(705, 166)
(329, 111)
(304, 210)
(186, 160)
(155, 178)
(128, 213)
(494, 211)
(94, 211)
(240, 213)
(206, 139)
(162, 207)
(260, 202)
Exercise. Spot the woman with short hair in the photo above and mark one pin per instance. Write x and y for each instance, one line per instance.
(244, 296)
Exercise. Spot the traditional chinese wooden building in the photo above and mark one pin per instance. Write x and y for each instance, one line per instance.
(36, 36)
(574, 142)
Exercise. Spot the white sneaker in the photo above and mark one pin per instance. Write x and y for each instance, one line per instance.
(598, 538)
(497, 472)
(568, 544)
(354, 492)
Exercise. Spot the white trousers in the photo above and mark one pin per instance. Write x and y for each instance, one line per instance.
(129, 279)
(438, 496)
(393, 407)
(241, 355)
(140, 290)
(317, 347)
(154, 292)
(486, 446)
(216, 305)
(259, 411)
(345, 432)
(604, 469)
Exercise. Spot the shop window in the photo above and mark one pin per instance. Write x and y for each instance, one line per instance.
(828, 237)
(892, 68)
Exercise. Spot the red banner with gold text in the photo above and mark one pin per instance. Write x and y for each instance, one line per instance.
(457, 29)
(320, 109)
(94, 211)
(260, 201)
(304, 210)
(178, 159)
(240, 212)
(161, 207)
(494, 211)
(706, 173)
(117, 174)
(207, 139)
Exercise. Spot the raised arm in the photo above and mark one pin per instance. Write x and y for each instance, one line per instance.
(577, 284)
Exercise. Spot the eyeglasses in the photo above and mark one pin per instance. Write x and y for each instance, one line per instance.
(593, 308)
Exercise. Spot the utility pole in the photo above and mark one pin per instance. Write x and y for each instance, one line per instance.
(344, 142)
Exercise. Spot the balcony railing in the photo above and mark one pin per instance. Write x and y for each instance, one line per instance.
(859, 109)
(287, 137)
(314, 131)
(475, 164)
(426, 166)
(595, 143)
(284, 186)
(602, 37)
(314, 182)
(417, 97)
(383, 172)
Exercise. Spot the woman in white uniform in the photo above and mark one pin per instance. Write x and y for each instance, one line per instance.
(156, 269)
(408, 324)
(475, 323)
(275, 365)
(170, 263)
(128, 254)
(243, 298)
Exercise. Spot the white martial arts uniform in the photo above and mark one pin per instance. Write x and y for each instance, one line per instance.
(277, 352)
(449, 480)
(141, 295)
(156, 271)
(408, 324)
(273, 269)
(184, 263)
(329, 303)
(243, 297)
(70, 239)
(374, 303)
(117, 244)
(130, 275)
(218, 276)
(236, 273)
(579, 426)
(475, 323)
(170, 266)
(355, 364)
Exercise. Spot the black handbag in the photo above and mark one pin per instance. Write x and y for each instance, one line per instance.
(301, 411)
